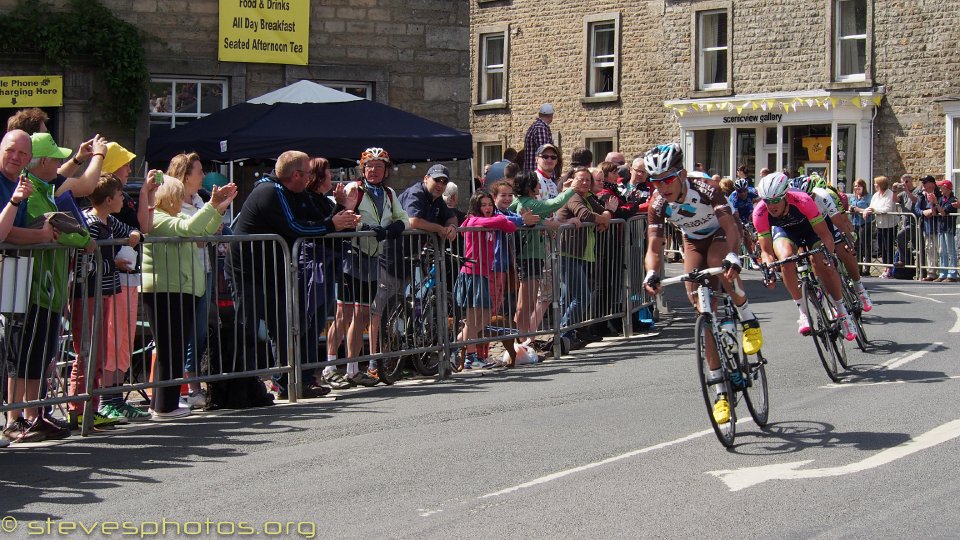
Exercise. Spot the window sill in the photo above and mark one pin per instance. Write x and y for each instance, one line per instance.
(489, 106)
(612, 98)
(849, 85)
(719, 92)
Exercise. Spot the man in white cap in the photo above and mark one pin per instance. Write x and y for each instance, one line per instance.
(537, 135)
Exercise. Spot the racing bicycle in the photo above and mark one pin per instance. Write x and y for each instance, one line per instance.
(739, 375)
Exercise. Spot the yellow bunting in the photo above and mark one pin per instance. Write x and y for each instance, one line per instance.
(740, 108)
(708, 106)
(833, 102)
(877, 100)
(856, 102)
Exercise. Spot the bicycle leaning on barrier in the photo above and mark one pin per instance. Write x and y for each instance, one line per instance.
(717, 334)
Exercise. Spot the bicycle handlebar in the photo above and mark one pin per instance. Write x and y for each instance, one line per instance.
(794, 258)
(698, 276)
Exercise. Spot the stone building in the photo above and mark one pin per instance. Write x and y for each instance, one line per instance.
(849, 88)
(410, 54)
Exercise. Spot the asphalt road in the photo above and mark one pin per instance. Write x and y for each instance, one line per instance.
(612, 441)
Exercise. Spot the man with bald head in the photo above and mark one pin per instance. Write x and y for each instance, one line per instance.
(15, 154)
(617, 158)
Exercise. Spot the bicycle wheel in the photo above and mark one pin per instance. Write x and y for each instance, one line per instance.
(820, 329)
(428, 335)
(855, 309)
(727, 432)
(756, 392)
(395, 333)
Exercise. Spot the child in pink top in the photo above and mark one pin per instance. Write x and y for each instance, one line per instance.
(472, 289)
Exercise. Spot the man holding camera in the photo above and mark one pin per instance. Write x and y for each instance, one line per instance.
(906, 198)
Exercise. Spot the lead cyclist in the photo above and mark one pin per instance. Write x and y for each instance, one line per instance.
(710, 234)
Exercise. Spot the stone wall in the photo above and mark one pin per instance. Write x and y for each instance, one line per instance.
(777, 46)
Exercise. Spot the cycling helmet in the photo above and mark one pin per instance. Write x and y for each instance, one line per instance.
(374, 154)
(802, 183)
(741, 183)
(773, 186)
(817, 181)
(663, 158)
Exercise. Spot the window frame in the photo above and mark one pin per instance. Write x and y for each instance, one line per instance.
(593, 136)
(703, 50)
(590, 24)
(479, 98)
(345, 86)
(487, 69)
(951, 167)
(838, 82)
(839, 40)
(173, 115)
(697, 89)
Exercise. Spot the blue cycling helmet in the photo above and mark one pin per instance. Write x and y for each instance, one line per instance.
(741, 183)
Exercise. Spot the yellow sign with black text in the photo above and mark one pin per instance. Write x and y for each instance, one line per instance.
(264, 31)
(31, 91)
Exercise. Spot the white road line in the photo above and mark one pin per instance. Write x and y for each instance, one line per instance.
(738, 479)
(897, 362)
(945, 294)
(898, 381)
(956, 325)
(632, 453)
(918, 296)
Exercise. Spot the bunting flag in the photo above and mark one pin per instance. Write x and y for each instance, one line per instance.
(877, 100)
(708, 106)
(769, 105)
(856, 102)
(833, 102)
(740, 108)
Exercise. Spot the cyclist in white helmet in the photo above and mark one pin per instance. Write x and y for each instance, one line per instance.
(710, 236)
(786, 220)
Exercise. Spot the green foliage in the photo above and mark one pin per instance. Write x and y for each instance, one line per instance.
(85, 30)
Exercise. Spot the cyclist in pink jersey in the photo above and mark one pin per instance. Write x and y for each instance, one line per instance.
(786, 221)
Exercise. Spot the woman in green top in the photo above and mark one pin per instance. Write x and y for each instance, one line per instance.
(530, 253)
(173, 280)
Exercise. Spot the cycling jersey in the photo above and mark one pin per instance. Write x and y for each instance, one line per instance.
(802, 213)
(828, 203)
(697, 215)
(744, 206)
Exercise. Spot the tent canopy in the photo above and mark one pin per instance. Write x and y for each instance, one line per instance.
(314, 119)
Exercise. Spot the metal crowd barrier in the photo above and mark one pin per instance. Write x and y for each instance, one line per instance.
(267, 310)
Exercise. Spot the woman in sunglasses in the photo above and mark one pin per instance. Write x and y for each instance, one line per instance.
(710, 238)
(785, 221)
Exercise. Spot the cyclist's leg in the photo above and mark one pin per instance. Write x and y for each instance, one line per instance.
(752, 335)
(847, 253)
(695, 255)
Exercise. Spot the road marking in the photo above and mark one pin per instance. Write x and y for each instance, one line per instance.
(738, 479)
(890, 364)
(956, 325)
(945, 294)
(918, 296)
(632, 453)
(898, 381)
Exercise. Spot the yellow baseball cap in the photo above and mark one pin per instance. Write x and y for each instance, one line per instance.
(117, 156)
(44, 146)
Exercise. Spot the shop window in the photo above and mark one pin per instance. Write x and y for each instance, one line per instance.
(712, 148)
(713, 52)
(360, 89)
(602, 56)
(850, 46)
(493, 67)
(175, 102)
(953, 142)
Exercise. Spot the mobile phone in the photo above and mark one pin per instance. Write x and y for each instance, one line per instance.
(158, 178)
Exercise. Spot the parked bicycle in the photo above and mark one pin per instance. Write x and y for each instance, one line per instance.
(412, 326)
(718, 325)
(825, 327)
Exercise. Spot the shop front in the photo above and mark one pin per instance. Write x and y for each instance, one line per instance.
(829, 133)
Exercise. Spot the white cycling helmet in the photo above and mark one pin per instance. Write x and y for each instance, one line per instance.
(773, 186)
(663, 158)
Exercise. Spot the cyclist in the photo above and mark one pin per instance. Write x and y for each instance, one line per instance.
(832, 207)
(699, 209)
(786, 220)
(742, 200)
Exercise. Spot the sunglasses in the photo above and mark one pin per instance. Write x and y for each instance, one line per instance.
(548, 156)
(668, 179)
(775, 200)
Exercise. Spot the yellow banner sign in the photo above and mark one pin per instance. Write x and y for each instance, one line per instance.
(31, 91)
(265, 31)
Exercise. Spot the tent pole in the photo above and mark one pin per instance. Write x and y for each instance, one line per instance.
(473, 187)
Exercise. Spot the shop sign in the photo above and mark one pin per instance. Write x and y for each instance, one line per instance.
(31, 91)
(264, 31)
(752, 118)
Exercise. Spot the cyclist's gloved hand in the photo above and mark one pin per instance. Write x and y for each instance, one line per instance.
(769, 275)
(395, 229)
(652, 280)
(732, 260)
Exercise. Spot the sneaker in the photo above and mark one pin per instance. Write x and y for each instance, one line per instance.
(374, 372)
(804, 325)
(62, 424)
(363, 379)
(752, 336)
(179, 412)
(721, 410)
(133, 414)
(337, 381)
(4, 443)
(865, 301)
(113, 413)
(197, 400)
(472, 361)
(315, 391)
(850, 333)
(100, 421)
(50, 431)
(18, 431)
